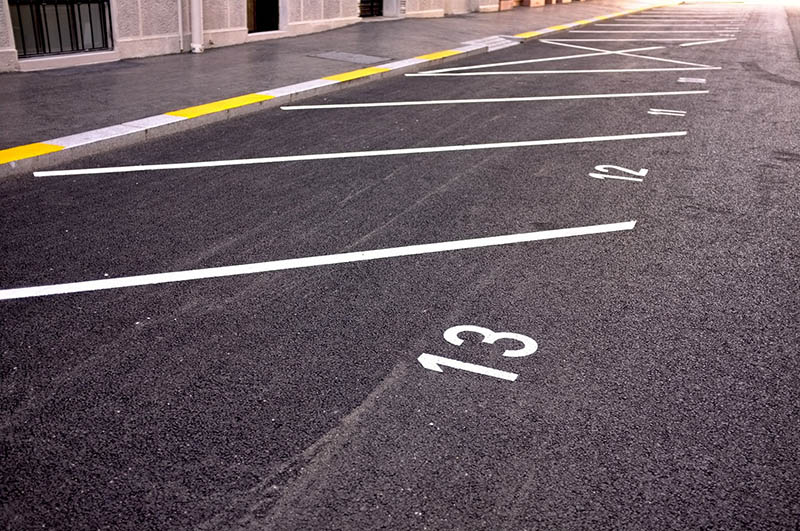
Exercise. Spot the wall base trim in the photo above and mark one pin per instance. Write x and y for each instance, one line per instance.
(8, 60)
(313, 26)
(430, 13)
(34, 64)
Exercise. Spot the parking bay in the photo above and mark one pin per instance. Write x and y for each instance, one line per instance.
(295, 397)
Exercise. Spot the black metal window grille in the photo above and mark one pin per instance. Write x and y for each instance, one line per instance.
(44, 27)
(370, 8)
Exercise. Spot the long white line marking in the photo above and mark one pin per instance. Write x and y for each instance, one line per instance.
(654, 31)
(354, 154)
(652, 25)
(665, 39)
(705, 42)
(718, 20)
(663, 22)
(678, 18)
(687, 14)
(312, 261)
(543, 72)
(490, 100)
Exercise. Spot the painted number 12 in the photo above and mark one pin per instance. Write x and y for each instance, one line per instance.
(603, 173)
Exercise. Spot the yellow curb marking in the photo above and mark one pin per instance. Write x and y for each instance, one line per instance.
(221, 105)
(27, 151)
(438, 55)
(355, 74)
(528, 34)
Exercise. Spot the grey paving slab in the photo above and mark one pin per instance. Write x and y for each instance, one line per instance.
(39, 106)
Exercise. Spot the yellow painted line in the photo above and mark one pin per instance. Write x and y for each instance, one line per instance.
(438, 55)
(558, 28)
(583, 22)
(528, 34)
(27, 151)
(355, 74)
(221, 105)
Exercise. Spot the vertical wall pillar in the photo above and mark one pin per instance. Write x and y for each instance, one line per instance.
(197, 26)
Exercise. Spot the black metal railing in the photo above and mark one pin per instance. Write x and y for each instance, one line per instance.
(44, 27)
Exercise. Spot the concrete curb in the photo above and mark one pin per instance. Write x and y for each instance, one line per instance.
(31, 157)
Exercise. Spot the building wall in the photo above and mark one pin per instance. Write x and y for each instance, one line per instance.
(425, 8)
(456, 7)
(308, 16)
(224, 22)
(8, 53)
(150, 27)
(144, 27)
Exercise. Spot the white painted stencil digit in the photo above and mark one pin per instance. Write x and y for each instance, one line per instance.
(603, 173)
(451, 335)
(490, 336)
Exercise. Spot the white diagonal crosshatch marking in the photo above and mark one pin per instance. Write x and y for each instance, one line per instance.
(594, 52)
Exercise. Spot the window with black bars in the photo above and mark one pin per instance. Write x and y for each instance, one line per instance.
(370, 8)
(45, 27)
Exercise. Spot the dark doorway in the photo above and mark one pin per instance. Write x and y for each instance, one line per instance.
(262, 15)
(44, 27)
(370, 8)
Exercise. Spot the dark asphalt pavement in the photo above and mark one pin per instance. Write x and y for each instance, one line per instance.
(663, 394)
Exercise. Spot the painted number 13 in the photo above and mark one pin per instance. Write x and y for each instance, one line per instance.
(451, 335)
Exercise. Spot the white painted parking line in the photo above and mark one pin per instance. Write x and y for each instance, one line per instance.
(689, 13)
(651, 25)
(666, 112)
(490, 100)
(706, 42)
(691, 80)
(665, 39)
(694, 12)
(652, 32)
(553, 72)
(355, 154)
(683, 20)
(682, 17)
(313, 261)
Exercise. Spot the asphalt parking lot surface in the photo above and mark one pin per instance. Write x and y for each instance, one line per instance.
(477, 333)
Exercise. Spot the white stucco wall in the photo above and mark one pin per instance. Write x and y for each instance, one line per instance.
(150, 27)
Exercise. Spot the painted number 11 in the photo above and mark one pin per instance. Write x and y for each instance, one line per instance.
(451, 335)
